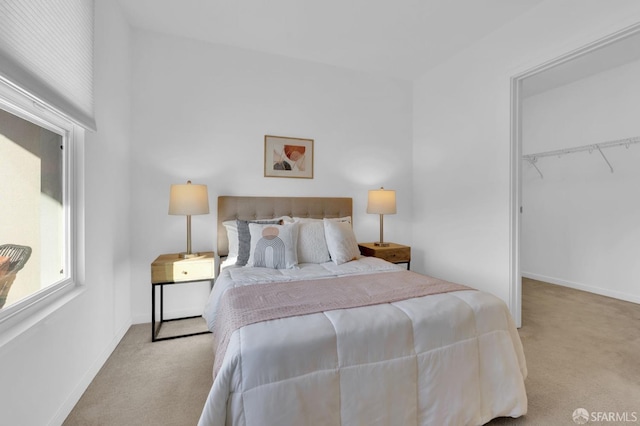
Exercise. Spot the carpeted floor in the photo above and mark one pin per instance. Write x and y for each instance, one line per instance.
(144, 383)
(582, 350)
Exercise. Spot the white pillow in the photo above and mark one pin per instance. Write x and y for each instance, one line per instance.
(312, 244)
(232, 236)
(341, 241)
(273, 246)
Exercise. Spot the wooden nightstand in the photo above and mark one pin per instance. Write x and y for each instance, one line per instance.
(394, 253)
(169, 269)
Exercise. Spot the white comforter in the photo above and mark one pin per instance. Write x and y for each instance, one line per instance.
(446, 359)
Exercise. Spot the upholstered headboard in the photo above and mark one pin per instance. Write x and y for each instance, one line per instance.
(250, 208)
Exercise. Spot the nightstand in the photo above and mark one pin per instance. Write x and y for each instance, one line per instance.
(170, 269)
(394, 253)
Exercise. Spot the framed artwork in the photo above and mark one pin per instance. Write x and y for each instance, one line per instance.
(288, 157)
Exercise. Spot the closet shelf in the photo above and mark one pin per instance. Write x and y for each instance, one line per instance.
(533, 158)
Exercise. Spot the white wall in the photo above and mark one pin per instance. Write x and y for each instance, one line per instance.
(46, 368)
(201, 112)
(462, 138)
(580, 222)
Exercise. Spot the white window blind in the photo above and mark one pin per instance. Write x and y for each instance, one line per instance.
(46, 49)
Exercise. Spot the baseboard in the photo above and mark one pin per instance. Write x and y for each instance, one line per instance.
(584, 287)
(74, 397)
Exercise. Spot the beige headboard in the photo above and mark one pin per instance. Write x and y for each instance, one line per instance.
(250, 208)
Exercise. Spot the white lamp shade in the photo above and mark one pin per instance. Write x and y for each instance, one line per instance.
(382, 201)
(188, 199)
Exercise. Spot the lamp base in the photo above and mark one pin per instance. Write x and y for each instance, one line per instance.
(379, 244)
(188, 255)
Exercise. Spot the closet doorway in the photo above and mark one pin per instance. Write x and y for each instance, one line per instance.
(575, 175)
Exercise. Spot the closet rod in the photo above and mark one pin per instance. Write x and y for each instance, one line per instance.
(533, 158)
(610, 144)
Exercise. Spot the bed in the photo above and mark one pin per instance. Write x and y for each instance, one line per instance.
(340, 339)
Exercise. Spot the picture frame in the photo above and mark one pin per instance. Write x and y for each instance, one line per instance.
(288, 157)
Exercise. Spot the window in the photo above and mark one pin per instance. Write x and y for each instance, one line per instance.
(37, 199)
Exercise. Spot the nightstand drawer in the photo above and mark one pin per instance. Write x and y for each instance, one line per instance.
(169, 268)
(394, 253)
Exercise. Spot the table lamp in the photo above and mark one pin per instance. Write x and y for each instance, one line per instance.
(382, 201)
(186, 200)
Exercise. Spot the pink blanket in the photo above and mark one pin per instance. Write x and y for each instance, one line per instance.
(241, 306)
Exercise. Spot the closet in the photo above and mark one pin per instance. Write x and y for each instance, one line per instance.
(580, 174)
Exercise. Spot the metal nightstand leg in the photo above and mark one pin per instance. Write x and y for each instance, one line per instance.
(155, 331)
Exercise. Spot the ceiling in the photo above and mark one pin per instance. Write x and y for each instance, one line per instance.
(394, 38)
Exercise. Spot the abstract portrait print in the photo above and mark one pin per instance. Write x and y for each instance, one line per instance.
(290, 158)
(270, 250)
